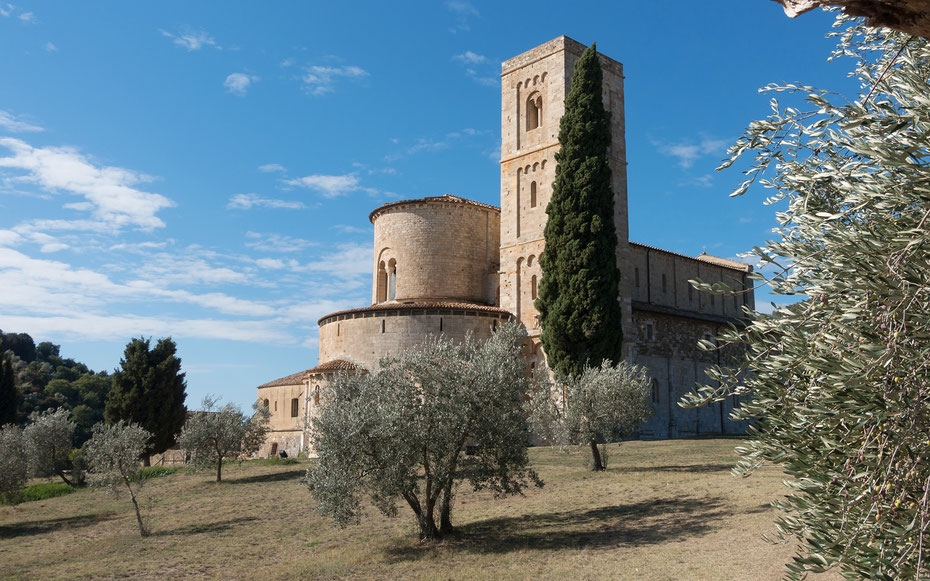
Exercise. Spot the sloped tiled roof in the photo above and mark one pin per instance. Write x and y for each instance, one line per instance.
(724, 262)
(292, 379)
(420, 305)
(703, 257)
(335, 365)
(445, 198)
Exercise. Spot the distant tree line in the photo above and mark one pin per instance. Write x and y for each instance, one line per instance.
(36, 378)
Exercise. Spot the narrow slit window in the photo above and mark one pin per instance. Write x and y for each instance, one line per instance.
(636, 276)
(532, 194)
(655, 390)
(690, 293)
(382, 325)
(316, 395)
(440, 324)
(664, 285)
(533, 287)
(650, 332)
(392, 280)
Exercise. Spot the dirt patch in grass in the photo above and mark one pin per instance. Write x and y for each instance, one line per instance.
(662, 510)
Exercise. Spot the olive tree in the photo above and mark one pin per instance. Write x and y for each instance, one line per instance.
(48, 440)
(114, 455)
(600, 405)
(839, 384)
(13, 465)
(214, 434)
(400, 434)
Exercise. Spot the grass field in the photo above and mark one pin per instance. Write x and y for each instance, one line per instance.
(663, 510)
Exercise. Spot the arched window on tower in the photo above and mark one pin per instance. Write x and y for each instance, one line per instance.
(532, 194)
(533, 287)
(392, 280)
(533, 111)
(382, 282)
(265, 403)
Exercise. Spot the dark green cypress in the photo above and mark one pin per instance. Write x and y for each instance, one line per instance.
(578, 303)
(10, 397)
(149, 390)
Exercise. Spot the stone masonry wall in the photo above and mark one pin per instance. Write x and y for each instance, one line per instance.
(364, 341)
(285, 429)
(528, 167)
(442, 250)
(667, 347)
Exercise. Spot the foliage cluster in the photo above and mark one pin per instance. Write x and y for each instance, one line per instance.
(602, 404)
(579, 313)
(840, 383)
(113, 454)
(400, 434)
(42, 491)
(217, 433)
(149, 389)
(14, 468)
(44, 381)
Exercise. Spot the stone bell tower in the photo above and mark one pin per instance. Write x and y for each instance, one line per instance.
(533, 90)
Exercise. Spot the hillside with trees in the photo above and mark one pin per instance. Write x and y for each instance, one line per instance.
(44, 380)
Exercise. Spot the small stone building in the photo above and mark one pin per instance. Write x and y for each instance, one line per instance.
(450, 265)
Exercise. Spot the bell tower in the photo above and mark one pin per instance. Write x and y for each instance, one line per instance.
(533, 90)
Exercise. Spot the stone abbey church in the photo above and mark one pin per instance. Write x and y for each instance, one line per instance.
(446, 264)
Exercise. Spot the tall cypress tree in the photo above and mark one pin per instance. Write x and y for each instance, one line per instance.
(10, 397)
(578, 303)
(149, 390)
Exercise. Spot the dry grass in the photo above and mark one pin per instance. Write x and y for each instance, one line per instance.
(663, 510)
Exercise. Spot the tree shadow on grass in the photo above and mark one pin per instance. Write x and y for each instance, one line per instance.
(40, 527)
(691, 468)
(293, 474)
(213, 527)
(641, 523)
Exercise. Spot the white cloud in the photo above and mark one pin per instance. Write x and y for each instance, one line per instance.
(319, 80)
(247, 201)
(50, 47)
(272, 167)
(10, 122)
(238, 83)
(348, 260)
(346, 229)
(27, 17)
(688, 151)
(9, 238)
(191, 39)
(462, 11)
(702, 181)
(109, 190)
(6, 9)
(329, 186)
(121, 327)
(276, 242)
(470, 58)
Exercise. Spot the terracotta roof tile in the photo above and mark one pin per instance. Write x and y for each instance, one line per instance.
(292, 379)
(703, 257)
(335, 365)
(443, 199)
(419, 305)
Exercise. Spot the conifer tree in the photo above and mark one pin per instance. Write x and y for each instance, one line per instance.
(9, 396)
(578, 294)
(149, 390)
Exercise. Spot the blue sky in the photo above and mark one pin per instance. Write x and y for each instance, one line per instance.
(206, 170)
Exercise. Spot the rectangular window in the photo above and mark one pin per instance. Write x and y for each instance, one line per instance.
(295, 404)
(650, 332)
